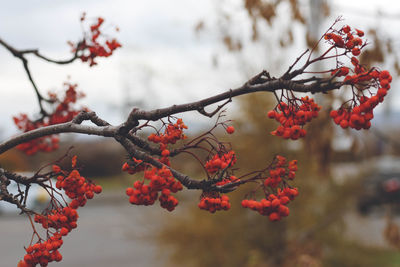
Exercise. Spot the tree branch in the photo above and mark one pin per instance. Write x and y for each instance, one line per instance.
(8, 197)
(68, 127)
(268, 86)
(20, 54)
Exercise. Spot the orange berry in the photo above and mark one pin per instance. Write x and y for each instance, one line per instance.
(344, 124)
(356, 51)
(274, 217)
(56, 169)
(360, 33)
(271, 114)
(97, 189)
(64, 231)
(230, 129)
(22, 263)
(165, 153)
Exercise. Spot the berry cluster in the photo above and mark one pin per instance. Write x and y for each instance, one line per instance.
(61, 219)
(64, 111)
(167, 201)
(358, 111)
(346, 39)
(293, 116)
(161, 180)
(43, 253)
(214, 202)
(220, 162)
(91, 47)
(279, 172)
(76, 187)
(172, 133)
(273, 206)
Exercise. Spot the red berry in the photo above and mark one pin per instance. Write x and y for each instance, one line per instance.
(165, 153)
(64, 231)
(97, 189)
(271, 114)
(356, 51)
(230, 129)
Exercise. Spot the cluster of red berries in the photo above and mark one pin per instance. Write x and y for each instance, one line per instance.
(167, 201)
(141, 194)
(172, 133)
(43, 252)
(293, 116)
(91, 47)
(220, 162)
(61, 219)
(359, 113)
(347, 39)
(64, 111)
(214, 202)
(279, 171)
(273, 206)
(161, 180)
(353, 118)
(75, 186)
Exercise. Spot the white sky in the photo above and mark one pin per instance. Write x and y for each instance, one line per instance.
(162, 58)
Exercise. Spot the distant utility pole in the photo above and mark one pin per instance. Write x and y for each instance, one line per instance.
(314, 29)
(137, 88)
(316, 18)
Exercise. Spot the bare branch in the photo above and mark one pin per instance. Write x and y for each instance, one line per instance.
(19, 53)
(8, 197)
(211, 114)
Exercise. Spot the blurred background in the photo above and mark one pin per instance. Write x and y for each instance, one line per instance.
(347, 213)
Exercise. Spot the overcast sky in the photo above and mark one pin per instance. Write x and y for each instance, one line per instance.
(162, 58)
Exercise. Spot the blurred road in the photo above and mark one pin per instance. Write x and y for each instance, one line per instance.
(110, 232)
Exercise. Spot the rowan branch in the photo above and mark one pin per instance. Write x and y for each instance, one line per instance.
(106, 130)
(267, 86)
